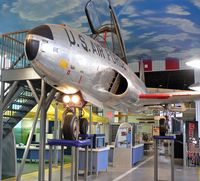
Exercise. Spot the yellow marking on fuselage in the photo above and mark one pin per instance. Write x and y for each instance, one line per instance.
(63, 63)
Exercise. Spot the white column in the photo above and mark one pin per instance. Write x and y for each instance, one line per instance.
(197, 103)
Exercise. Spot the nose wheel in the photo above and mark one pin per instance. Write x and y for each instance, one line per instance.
(73, 125)
(83, 126)
(70, 127)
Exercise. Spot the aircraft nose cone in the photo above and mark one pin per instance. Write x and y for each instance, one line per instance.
(31, 48)
(42, 31)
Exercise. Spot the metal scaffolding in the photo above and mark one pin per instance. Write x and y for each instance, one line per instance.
(21, 90)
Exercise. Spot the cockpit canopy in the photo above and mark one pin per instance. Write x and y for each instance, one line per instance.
(104, 26)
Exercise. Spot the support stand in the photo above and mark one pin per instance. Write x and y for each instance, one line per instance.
(75, 144)
(91, 137)
(156, 138)
(41, 175)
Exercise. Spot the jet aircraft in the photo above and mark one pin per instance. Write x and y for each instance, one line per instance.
(79, 65)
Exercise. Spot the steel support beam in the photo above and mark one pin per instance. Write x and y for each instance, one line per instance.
(184, 145)
(33, 90)
(19, 174)
(10, 94)
(172, 160)
(41, 174)
(50, 163)
(45, 105)
(19, 74)
(155, 160)
(1, 126)
(55, 135)
(50, 97)
(72, 163)
(90, 130)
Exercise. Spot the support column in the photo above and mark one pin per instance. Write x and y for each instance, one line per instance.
(41, 174)
(1, 126)
(55, 135)
(184, 145)
(90, 128)
(197, 103)
(20, 171)
(91, 139)
(72, 163)
(155, 160)
(172, 160)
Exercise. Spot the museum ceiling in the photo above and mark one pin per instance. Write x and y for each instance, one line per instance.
(153, 29)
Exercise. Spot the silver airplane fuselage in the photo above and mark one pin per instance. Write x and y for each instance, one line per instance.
(71, 61)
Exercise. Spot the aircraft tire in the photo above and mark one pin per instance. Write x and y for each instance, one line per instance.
(69, 128)
(83, 126)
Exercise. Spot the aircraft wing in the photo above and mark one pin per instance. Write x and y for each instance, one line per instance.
(168, 98)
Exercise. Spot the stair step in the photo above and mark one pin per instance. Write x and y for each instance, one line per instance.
(12, 116)
(25, 104)
(26, 97)
(18, 110)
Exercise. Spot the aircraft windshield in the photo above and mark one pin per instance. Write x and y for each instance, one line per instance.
(99, 15)
(104, 26)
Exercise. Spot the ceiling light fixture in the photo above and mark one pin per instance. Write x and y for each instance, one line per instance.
(194, 63)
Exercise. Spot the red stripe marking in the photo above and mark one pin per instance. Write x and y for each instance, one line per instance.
(154, 96)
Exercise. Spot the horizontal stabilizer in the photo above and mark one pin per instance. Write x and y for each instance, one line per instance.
(154, 96)
(168, 98)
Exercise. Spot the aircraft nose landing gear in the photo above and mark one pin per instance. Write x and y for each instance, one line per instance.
(70, 127)
(73, 125)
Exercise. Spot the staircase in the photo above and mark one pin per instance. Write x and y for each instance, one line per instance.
(13, 63)
(22, 103)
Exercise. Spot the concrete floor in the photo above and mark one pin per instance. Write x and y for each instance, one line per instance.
(141, 172)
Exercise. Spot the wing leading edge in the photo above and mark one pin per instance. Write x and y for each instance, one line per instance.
(168, 98)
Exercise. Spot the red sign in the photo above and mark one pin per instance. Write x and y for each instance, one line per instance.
(109, 114)
(147, 65)
(171, 63)
(191, 129)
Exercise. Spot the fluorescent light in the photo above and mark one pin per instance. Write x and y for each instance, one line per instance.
(194, 63)
(195, 86)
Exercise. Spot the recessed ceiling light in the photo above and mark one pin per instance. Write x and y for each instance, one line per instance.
(194, 63)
